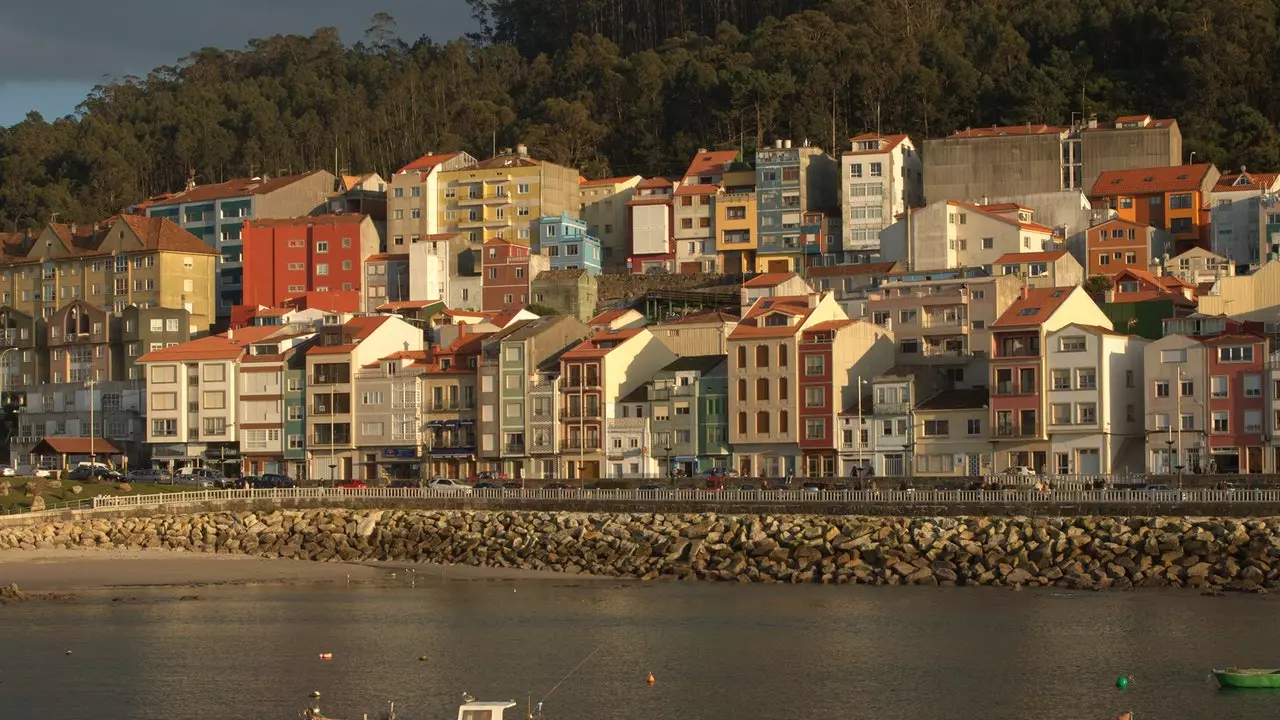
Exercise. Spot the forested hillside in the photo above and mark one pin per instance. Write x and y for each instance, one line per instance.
(636, 86)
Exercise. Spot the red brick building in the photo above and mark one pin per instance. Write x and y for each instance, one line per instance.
(506, 270)
(1237, 401)
(820, 397)
(322, 254)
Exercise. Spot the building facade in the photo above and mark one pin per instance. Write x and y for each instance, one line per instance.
(567, 244)
(318, 254)
(604, 209)
(881, 177)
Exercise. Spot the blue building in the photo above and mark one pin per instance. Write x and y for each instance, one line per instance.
(565, 240)
(790, 181)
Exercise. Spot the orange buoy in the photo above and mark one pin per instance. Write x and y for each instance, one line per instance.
(652, 679)
(325, 656)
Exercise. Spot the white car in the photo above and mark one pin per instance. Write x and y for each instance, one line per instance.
(7, 471)
(1020, 471)
(446, 485)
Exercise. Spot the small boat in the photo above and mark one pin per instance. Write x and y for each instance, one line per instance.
(480, 710)
(1248, 678)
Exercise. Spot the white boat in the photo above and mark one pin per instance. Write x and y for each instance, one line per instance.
(482, 710)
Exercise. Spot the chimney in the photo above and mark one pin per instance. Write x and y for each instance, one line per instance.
(231, 333)
(1093, 121)
(787, 144)
(522, 150)
(1026, 292)
(813, 299)
(777, 144)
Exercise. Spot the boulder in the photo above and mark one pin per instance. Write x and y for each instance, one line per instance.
(76, 489)
(37, 503)
(124, 487)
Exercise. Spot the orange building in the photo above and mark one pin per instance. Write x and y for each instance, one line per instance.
(1175, 199)
(1117, 244)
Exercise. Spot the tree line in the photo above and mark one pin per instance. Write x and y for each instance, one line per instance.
(637, 86)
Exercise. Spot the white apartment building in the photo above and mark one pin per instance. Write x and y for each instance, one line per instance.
(880, 178)
(1239, 206)
(953, 234)
(1095, 400)
(413, 196)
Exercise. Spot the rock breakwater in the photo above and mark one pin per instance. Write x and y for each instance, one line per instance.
(1081, 552)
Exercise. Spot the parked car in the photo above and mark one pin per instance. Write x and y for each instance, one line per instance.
(200, 477)
(7, 471)
(88, 473)
(815, 487)
(513, 485)
(406, 484)
(558, 486)
(652, 486)
(353, 484)
(449, 486)
(1020, 471)
(277, 480)
(149, 475)
(720, 472)
(488, 475)
(487, 485)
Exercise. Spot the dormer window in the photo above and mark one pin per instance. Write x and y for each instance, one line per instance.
(777, 319)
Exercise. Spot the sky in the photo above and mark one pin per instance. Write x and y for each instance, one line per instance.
(53, 53)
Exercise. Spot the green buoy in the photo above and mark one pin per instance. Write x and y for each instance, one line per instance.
(1122, 682)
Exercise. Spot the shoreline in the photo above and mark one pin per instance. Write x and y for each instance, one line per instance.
(84, 570)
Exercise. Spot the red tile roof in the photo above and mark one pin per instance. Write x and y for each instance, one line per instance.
(466, 314)
(331, 349)
(1232, 338)
(889, 142)
(396, 305)
(650, 200)
(997, 131)
(880, 268)
(307, 220)
(697, 190)
(165, 235)
(768, 280)
(796, 306)
(1044, 302)
(590, 348)
(363, 327)
(382, 257)
(712, 316)
(239, 187)
(1033, 226)
(1049, 256)
(654, 183)
(213, 347)
(830, 325)
(427, 162)
(710, 163)
(1150, 181)
(498, 162)
(1246, 181)
(79, 446)
(608, 316)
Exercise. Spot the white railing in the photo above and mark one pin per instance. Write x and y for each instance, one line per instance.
(728, 497)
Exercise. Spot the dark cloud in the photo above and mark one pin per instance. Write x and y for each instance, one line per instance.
(89, 40)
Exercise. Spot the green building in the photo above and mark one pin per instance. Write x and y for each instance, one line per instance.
(690, 416)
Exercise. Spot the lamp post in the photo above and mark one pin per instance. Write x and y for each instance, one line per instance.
(93, 456)
(858, 429)
(667, 447)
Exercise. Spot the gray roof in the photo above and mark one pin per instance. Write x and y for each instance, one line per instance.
(700, 363)
(640, 394)
(972, 399)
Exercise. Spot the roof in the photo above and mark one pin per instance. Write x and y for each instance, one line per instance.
(308, 220)
(697, 190)
(498, 162)
(604, 181)
(1232, 338)
(1003, 207)
(590, 348)
(654, 183)
(711, 162)
(78, 446)
(239, 187)
(640, 394)
(427, 162)
(1033, 307)
(387, 256)
(1150, 181)
(397, 305)
(768, 280)
(1092, 328)
(710, 316)
(1002, 131)
(830, 325)
(575, 274)
(970, 399)
(363, 327)
(609, 316)
(981, 210)
(1241, 181)
(1047, 256)
(797, 306)
(213, 347)
(697, 363)
(504, 318)
(447, 312)
(888, 142)
(165, 235)
(878, 268)
(1121, 221)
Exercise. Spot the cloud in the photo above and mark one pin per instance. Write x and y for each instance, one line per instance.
(88, 41)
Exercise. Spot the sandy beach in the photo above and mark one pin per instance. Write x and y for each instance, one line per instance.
(79, 570)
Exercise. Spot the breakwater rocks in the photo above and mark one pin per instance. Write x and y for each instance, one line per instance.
(1084, 552)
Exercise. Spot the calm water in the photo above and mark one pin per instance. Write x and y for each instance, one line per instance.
(718, 651)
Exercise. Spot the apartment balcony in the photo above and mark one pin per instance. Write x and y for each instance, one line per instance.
(950, 325)
(483, 223)
(444, 407)
(579, 383)
(944, 354)
(1074, 424)
(579, 414)
(489, 198)
(666, 393)
(591, 445)
(513, 449)
(1025, 430)
(1015, 389)
(542, 448)
(892, 409)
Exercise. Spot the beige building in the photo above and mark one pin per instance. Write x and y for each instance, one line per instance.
(569, 292)
(1176, 392)
(955, 234)
(340, 352)
(413, 197)
(502, 198)
(1056, 268)
(618, 319)
(695, 334)
(147, 262)
(771, 285)
(943, 316)
(604, 210)
(951, 433)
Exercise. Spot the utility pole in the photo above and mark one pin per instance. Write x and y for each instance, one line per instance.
(93, 456)
(1178, 405)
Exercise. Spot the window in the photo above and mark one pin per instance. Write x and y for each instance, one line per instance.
(1060, 414)
(1235, 353)
(782, 356)
(322, 246)
(1162, 388)
(988, 243)
(907, 316)
(762, 389)
(1252, 421)
(1061, 379)
(742, 357)
(973, 427)
(814, 365)
(164, 428)
(815, 429)
(762, 422)
(762, 356)
(1086, 379)
(936, 428)
(1252, 386)
(855, 170)
(1128, 378)
(1162, 421)
(164, 401)
(214, 400)
(322, 269)
(215, 426)
(1221, 423)
(783, 389)
(1181, 201)
(1173, 356)
(1180, 226)
(1072, 344)
(1188, 388)
(815, 397)
(1086, 413)
(1218, 386)
(215, 373)
(522, 188)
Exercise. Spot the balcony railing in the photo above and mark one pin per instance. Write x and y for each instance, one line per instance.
(1013, 388)
(892, 408)
(590, 381)
(579, 414)
(513, 448)
(1024, 430)
(576, 445)
(1016, 352)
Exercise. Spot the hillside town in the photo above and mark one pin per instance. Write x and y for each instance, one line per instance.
(1066, 300)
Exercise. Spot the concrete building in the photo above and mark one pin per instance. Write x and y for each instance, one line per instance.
(604, 209)
(789, 182)
(694, 210)
(508, 269)
(851, 282)
(564, 240)
(689, 415)
(1055, 268)
(881, 177)
(955, 234)
(1095, 401)
(503, 197)
(52, 412)
(1178, 419)
(340, 351)
(1114, 245)
(770, 285)
(446, 267)
(322, 254)
(1175, 199)
(1036, 158)
(952, 433)
(216, 214)
(387, 280)
(1241, 203)
(651, 227)
(271, 416)
(416, 197)
(594, 376)
(508, 411)
(569, 292)
(736, 231)
(1018, 369)
(697, 334)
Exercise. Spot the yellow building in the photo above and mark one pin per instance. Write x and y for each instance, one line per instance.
(604, 210)
(502, 198)
(736, 239)
(951, 434)
(147, 262)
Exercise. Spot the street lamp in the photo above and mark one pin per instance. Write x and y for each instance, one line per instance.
(668, 449)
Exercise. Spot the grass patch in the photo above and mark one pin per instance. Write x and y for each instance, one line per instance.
(17, 500)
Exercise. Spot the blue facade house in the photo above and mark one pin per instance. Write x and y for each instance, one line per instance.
(565, 241)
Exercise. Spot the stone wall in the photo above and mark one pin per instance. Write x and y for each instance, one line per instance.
(1082, 552)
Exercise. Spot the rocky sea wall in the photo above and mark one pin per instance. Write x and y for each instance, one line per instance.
(1073, 552)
